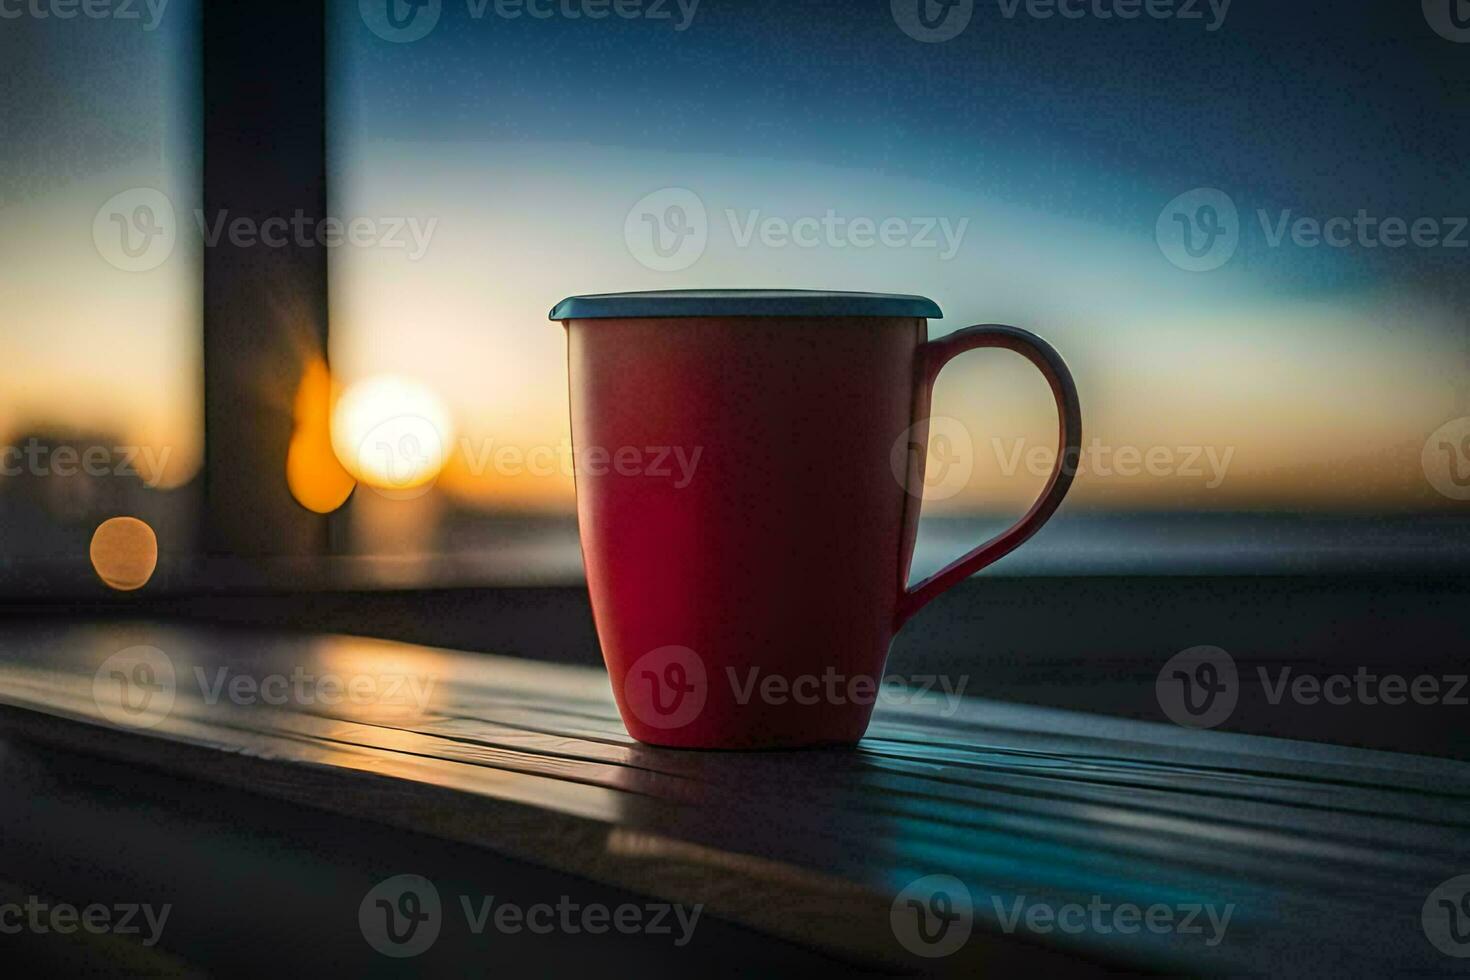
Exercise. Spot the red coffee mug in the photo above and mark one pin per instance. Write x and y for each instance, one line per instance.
(748, 465)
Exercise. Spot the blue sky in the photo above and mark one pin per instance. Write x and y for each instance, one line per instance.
(1324, 109)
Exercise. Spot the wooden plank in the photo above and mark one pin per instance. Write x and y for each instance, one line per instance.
(1311, 846)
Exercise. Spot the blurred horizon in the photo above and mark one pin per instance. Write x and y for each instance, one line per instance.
(517, 161)
(529, 143)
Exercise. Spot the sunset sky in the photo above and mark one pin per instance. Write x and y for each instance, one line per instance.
(100, 107)
(1317, 373)
(521, 146)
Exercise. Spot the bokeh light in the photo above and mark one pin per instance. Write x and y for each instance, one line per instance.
(392, 433)
(316, 478)
(124, 553)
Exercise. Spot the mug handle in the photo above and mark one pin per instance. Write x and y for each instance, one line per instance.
(931, 357)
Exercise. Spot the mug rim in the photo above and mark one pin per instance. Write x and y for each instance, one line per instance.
(674, 303)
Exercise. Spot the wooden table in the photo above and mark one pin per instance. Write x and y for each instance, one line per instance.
(1322, 856)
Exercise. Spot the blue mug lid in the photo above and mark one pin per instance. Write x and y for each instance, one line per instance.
(742, 302)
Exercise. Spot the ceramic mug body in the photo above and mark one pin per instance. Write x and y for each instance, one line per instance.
(770, 547)
(743, 497)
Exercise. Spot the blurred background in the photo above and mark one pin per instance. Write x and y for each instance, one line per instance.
(1258, 396)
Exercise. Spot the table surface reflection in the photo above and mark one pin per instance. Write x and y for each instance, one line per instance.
(1057, 824)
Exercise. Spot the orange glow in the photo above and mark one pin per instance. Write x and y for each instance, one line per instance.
(316, 478)
(124, 553)
(95, 349)
(475, 476)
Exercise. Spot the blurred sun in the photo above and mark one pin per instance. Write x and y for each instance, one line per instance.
(392, 433)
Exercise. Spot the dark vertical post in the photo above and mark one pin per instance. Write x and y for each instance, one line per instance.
(265, 304)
